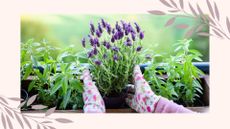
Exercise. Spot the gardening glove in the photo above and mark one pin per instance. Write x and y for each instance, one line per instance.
(93, 102)
(144, 100)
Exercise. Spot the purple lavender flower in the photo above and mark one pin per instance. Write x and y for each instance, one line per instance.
(103, 23)
(104, 56)
(107, 44)
(90, 54)
(83, 42)
(112, 39)
(97, 62)
(128, 42)
(113, 31)
(95, 51)
(133, 35)
(138, 48)
(91, 40)
(108, 28)
(92, 28)
(114, 48)
(120, 34)
(128, 39)
(137, 27)
(98, 33)
(124, 25)
(96, 42)
(116, 36)
(141, 35)
(118, 27)
(115, 57)
(99, 28)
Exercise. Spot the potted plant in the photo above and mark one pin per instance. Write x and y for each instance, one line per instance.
(176, 77)
(53, 79)
(113, 52)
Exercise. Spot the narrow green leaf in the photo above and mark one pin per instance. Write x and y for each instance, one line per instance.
(31, 85)
(55, 87)
(27, 71)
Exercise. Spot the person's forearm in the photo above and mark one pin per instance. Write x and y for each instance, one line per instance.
(93, 102)
(166, 106)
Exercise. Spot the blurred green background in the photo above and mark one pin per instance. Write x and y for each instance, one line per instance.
(65, 30)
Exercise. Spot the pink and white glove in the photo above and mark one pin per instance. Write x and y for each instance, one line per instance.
(144, 100)
(93, 102)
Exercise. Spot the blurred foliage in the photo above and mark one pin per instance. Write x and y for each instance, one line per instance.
(65, 30)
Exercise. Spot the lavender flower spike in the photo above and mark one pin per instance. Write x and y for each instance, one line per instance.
(98, 33)
(92, 28)
(103, 23)
(114, 48)
(83, 42)
(141, 35)
(133, 36)
(97, 62)
(115, 57)
(99, 28)
(90, 54)
(137, 27)
(139, 48)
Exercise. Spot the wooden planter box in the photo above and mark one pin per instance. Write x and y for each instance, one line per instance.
(202, 109)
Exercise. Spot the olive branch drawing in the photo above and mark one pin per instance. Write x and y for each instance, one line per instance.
(9, 114)
(196, 12)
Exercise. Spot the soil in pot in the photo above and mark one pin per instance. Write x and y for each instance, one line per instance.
(116, 100)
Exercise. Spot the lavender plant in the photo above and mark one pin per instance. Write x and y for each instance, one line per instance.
(113, 52)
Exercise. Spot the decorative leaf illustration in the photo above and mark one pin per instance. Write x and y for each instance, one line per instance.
(47, 121)
(182, 4)
(19, 120)
(9, 112)
(9, 122)
(63, 120)
(199, 28)
(37, 107)
(192, 9)
(201, 13)
(51, 127)
(210, 20)
(3, 120)
(189, 33)
(50, 111)
(217, 33)
(16, 99)
(173, 3)
(228, 24)
(38, 127)
(182, 26)
(174, 11)
(204, 34)
(3, 100)
(45, 127)
(26, 121)
(22, 104)
(31, 100)
(217, 11)
(165, 3)
(210, 8)
(156, 12)
(170, 21)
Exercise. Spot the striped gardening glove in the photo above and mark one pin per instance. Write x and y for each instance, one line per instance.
(93, 102)
(144, 100)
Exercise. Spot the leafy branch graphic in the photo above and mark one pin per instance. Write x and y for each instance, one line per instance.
(9, 114)
(196, 12)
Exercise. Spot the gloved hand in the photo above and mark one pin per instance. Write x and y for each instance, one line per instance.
(144, 99)
(93, 102)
